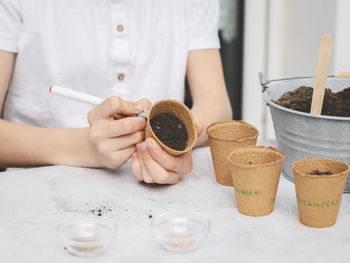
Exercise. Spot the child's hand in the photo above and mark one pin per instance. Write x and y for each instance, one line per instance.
(152, 164)
(114, 140)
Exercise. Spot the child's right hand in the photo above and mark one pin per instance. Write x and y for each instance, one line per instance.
(113, 139)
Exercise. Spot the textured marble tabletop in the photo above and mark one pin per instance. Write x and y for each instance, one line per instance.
(35, 200)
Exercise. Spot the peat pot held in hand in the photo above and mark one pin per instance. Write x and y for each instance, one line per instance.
(303, 135)
(170, 113)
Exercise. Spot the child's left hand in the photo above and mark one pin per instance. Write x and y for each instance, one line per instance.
(152, 164)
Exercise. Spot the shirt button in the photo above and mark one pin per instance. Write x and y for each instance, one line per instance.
(120, 28)
(121, 76)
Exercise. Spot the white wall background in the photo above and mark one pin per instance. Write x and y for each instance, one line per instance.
(342, 36)
(282, 40)
(254, 60)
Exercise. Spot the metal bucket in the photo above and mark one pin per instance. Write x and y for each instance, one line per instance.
(302, 135)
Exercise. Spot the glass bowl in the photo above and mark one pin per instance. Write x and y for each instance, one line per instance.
(87, 237)
(180, 231)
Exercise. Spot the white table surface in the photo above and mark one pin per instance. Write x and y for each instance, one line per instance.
(34, 201)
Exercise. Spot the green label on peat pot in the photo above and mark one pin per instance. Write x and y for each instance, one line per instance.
(322, 204)
(247, 192)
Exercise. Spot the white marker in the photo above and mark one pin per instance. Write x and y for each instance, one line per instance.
(83, 97)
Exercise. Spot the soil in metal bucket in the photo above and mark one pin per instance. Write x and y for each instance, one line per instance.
(318, 172)
(334, 104)
(170, 130)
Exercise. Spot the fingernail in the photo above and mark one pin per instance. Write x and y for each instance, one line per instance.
(149, 143)
(138, 108)
(142, 146)
(134, 155)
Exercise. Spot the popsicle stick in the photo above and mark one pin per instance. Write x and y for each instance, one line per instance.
(344, 74)
(324, 59)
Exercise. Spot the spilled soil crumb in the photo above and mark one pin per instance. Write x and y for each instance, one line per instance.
(100, 210)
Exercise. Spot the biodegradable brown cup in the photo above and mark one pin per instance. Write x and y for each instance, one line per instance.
(319, 196)
(256, 172)
(181, 111)
(223, 138)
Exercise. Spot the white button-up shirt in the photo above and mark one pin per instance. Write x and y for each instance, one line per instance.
(129, 48)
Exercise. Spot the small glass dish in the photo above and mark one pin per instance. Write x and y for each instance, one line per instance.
(180, 231)
(87, 236)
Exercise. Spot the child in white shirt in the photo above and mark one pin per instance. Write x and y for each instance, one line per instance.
(126, 50)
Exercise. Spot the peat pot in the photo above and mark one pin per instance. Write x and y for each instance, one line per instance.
(303, 135)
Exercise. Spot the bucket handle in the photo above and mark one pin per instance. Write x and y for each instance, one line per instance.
(263, 82)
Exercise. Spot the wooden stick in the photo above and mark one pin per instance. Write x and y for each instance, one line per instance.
(324, 59)
(83, 97)
(344, 74)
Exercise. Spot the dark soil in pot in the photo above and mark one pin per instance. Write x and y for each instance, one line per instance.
(318, 172)
(334, 104)
(170, 130)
